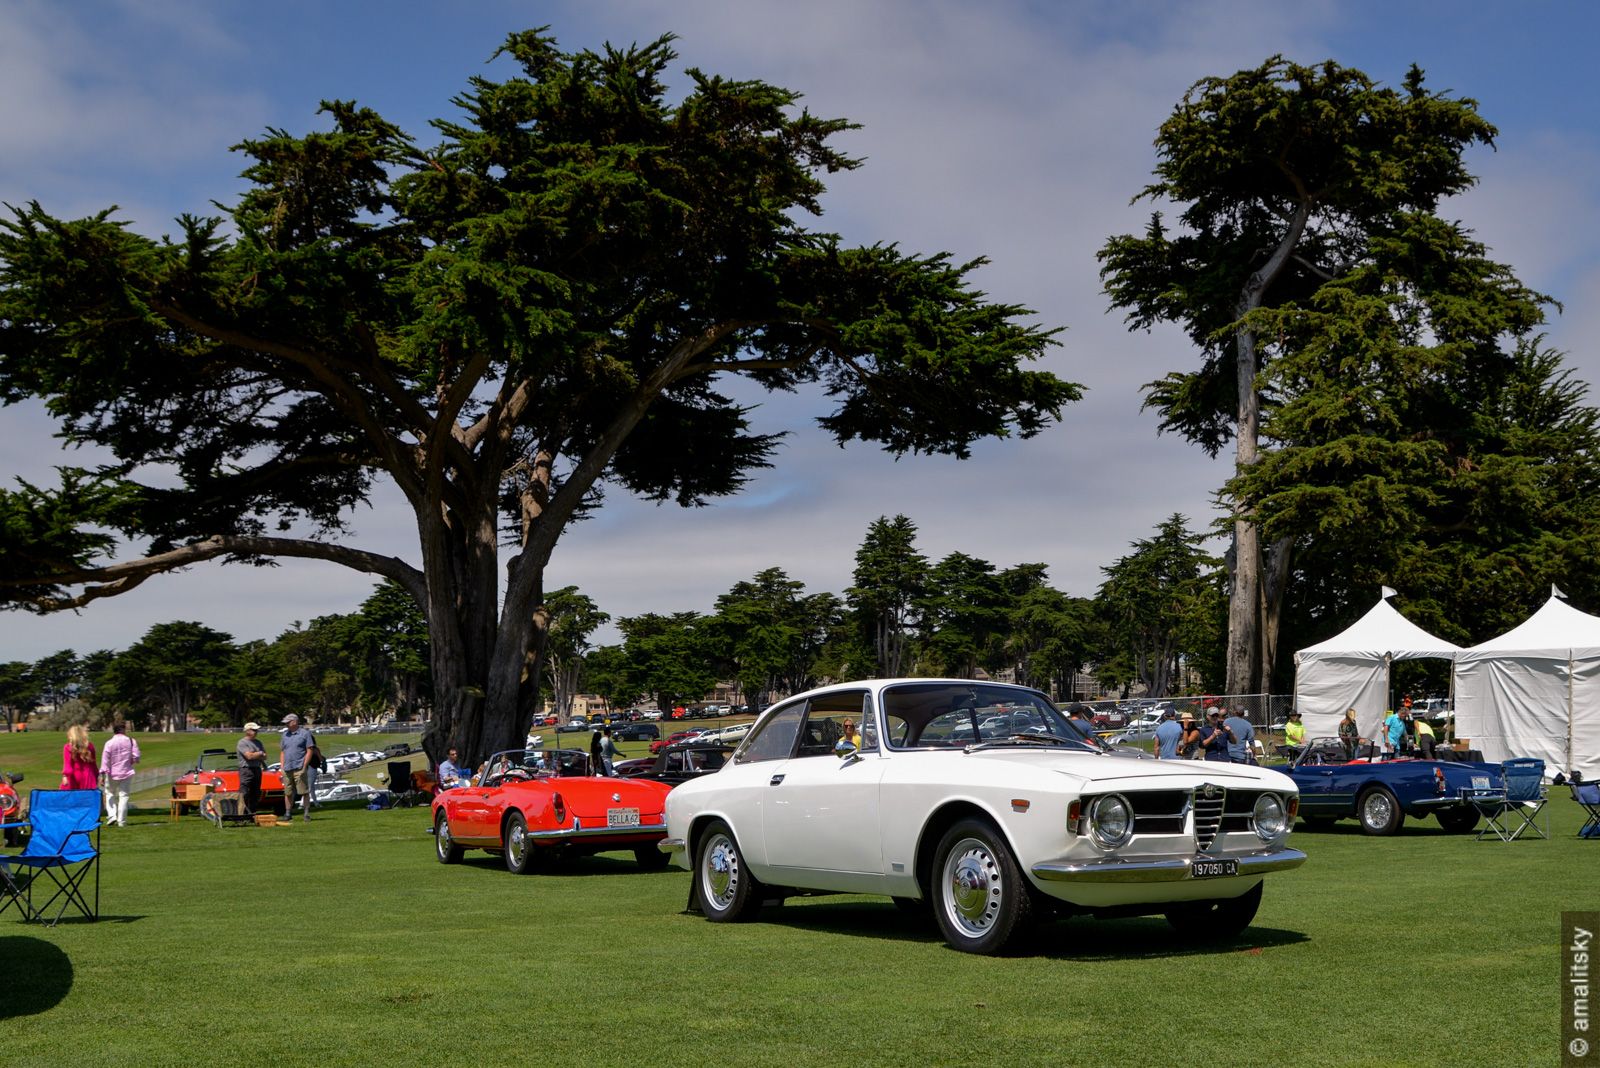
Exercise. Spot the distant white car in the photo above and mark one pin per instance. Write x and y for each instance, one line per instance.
(993, 833)
(650, 713)
(337, 790)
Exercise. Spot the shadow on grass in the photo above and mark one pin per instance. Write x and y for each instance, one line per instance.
(1412, 828)
(1080, 938)
(563, 867)
(42, 976)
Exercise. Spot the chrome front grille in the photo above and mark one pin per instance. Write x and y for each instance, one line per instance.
(1208, 814)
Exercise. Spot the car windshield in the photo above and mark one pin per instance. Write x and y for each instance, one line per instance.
(1324, 751)
(518, 764)
(945, 715)
(213, 759)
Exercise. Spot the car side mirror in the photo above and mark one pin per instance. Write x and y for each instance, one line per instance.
(844, 750)
(17, 776)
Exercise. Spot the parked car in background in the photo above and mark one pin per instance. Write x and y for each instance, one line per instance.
(1108, 718)
(635, 732)
(576, 723)
(219, 769)
(674, 738)
(1380, 794)
(339, 790)
(535, 805)
(679, 764)
(984, 831)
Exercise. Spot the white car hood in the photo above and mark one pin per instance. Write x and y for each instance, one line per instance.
(1139, 774)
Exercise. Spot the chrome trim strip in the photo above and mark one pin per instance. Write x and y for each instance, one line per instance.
(1165, 870)
(598, 832)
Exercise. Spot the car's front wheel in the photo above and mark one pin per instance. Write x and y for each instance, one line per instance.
(728, 892)
(1215, 920)
(1379, 811)
(981, 898)
(1458, 820)
(517, 846)
(444, 846)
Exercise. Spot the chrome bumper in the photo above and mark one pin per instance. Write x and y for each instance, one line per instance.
(672, 845)
(597, 832)
(1163, 870)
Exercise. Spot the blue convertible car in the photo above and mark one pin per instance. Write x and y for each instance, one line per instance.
(1382, 793)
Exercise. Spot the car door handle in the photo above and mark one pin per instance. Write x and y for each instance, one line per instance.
(776, 779)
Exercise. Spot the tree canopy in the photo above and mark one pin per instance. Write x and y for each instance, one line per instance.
(1295, 184)
(536, 307)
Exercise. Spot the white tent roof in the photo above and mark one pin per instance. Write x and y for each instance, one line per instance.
(1556, 626)
(1383, 632)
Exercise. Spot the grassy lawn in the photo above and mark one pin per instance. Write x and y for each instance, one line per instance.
(342, 941)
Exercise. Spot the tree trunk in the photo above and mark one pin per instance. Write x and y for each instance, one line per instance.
(1275, 579)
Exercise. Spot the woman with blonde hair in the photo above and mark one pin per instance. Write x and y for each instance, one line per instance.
(79, 768)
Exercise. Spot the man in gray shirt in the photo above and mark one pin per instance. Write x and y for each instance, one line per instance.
(1167, 734)
(292, 753)
(252, 762)
(1243, 735)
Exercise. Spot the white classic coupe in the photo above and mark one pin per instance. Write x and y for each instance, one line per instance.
(983, 802)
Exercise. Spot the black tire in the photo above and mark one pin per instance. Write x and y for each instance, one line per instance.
(444, 846)
(650, 858)
(517, 847)
(1379, 812)
(1215, 921)
(981, 899)
(1458, 820)
(727, 891)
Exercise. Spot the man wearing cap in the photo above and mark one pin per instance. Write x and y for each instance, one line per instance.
(1167, 734)
(1294, 734)
(292, 753)
(252, 762)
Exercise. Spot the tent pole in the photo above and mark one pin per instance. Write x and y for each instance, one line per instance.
(1571, 666)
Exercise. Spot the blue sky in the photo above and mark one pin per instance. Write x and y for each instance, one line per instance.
(1018, 131)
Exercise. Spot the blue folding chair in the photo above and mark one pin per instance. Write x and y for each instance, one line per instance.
(64, 846)
(1587, 794)
(1514, 810)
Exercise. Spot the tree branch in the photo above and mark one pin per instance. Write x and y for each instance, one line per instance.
(121, 577)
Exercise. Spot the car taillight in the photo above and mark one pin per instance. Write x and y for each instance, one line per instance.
(559, 807)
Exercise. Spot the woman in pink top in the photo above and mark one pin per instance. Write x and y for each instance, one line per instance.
(78, 768)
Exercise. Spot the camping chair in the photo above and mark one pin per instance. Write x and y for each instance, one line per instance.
(1587, 794)
(1515, 809)
(64, 845)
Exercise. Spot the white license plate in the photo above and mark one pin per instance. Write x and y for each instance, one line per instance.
(622, 817)
(1211, 869)
(1480, 782)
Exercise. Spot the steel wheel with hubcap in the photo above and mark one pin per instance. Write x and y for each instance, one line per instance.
(444, 846)
(1379, 811)
(518, 846)
(1215, 920)
(981, 898)
(728, 893)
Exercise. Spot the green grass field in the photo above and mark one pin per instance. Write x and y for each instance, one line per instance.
(342, 941)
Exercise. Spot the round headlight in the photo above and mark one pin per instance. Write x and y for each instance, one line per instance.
(1111, 820)
(1271, 821)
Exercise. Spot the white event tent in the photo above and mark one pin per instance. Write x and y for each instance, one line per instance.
(1351, 669)
(1535, 691)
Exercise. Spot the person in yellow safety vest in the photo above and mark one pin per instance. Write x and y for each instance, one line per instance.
(1424, 737)
(1294, 732)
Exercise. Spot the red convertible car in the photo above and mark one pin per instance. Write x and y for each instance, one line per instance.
(219, 769)
(533, 805)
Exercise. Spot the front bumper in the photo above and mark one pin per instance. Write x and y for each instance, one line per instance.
(672, 845)
(1160, 870)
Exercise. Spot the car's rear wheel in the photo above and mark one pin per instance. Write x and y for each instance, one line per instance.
(1215, 920)
(981, 898)
(650, 858)
(519, 848)
(444, 846)
(728, 892)
(1379, 812)
(1459, 820)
